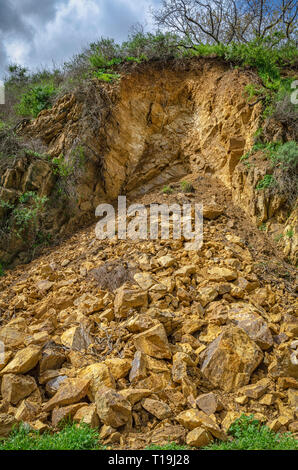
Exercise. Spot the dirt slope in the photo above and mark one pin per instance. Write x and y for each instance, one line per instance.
(145, 339)
(149, 341)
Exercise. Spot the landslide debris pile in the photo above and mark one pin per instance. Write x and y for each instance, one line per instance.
(148, 341)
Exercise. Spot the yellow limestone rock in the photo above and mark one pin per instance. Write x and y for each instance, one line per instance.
(51, 359)
(154, 342)
(66, 412)
(157, 408)
(193, 418)
(208, 402)
(168, 433)
(71, 391)
(119, 368)
(15, 388)
(285, 364)
(98, 375)
(112, 408)
(244, 316)
(229, 419)
(24, 361)
(211, 211)
(138, 368)
(5, 358)
(256, 390)
(198, 437)
(88, 415)
(128, 299)
(144, 280)
(88, 303)
(27, 411)
(14, 333)
(219, 274)
(7, 422)
(166, 261)
(206, 295)
(230, 359)
(76, 338)
(134, 395)
(140, 322)
(185, 271)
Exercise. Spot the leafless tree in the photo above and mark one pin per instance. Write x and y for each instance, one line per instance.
(228, 20)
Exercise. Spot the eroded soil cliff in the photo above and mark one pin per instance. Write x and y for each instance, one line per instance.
(145, 339)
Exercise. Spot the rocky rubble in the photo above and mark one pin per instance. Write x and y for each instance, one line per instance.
(177, 352)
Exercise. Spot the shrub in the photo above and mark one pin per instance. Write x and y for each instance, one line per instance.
(267, 182)
(36, 99)
(152, 45)
(287, 155)
(26, 214)
(249, 434)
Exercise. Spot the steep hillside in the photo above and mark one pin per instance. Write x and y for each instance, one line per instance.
(144, 338)
(162, 121)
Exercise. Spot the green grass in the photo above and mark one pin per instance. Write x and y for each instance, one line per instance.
(186, 187)
(290, 233)
(249, 434)
(167, 190)
(246, 434)
(169, 446)
(71, 437)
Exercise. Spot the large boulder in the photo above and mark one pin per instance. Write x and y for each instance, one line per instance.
(112, 408)
(71, 391)
(154, 342)
(230, 359)
(25, 360)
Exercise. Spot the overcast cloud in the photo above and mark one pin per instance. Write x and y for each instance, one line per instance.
(41, 32)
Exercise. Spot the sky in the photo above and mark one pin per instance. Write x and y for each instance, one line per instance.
(37, 33)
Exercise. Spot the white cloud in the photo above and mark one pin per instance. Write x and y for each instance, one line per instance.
(65, 27)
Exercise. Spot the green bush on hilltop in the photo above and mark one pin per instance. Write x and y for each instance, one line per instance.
(36, 99)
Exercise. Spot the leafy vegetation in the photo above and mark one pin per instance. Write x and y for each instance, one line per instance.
(36, 99)
(169, 446)
(246, 434)
(267, 182)
(249, 434)
(283, 160)
(167, 190)
(22, 219)
(186, 187)
(71, 437)
(68, 170)
(290, 233)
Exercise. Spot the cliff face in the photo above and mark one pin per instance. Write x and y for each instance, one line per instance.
(157, 124)
(161, 122)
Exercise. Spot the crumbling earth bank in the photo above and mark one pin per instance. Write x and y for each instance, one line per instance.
(144, 339)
